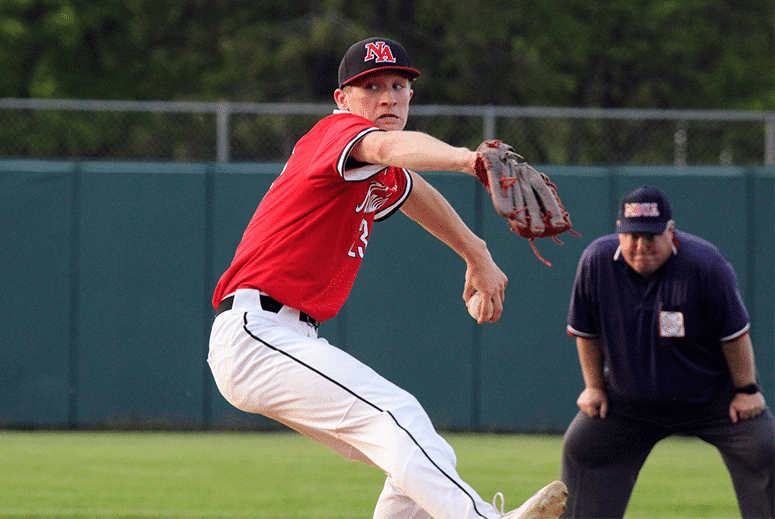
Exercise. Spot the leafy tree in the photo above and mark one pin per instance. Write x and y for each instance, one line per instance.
(604, 53)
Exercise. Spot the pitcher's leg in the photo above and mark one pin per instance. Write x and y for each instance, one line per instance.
(390, 427)
(393, 503)
(324, 392)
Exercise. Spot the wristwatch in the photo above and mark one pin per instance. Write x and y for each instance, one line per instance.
(750, 389)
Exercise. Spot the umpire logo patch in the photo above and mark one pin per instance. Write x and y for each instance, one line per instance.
(671, 324)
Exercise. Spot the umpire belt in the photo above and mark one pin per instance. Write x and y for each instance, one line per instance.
(268, 304)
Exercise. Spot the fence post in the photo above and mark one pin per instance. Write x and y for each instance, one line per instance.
(680, 138)
(488, 130)
(73, 348)
(222, 131)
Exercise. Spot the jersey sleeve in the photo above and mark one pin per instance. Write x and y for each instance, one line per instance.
(333, 142)
(582, 321)
(726, 307)
(351, 170)
(341, 138)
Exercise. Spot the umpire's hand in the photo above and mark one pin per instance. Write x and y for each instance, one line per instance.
(744, 406)
(593, 402)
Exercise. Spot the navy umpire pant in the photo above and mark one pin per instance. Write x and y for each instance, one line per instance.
(602, 457)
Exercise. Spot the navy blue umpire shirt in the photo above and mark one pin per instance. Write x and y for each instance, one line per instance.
(661, 336)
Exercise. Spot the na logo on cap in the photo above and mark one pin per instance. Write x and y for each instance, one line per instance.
(380, 52)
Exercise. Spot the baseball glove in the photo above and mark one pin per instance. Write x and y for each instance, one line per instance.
(522, 195)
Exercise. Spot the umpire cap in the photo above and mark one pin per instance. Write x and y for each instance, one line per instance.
(645, 210)
(372, 55)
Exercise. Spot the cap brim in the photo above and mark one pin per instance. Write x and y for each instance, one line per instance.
(645, 227)
(411, 72)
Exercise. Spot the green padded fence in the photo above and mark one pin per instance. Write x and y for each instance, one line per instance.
(108, 268)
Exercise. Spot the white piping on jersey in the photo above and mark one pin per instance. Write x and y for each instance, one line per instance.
(736, 335)
(583, 335)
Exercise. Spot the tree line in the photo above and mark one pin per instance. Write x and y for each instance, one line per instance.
(688, 54)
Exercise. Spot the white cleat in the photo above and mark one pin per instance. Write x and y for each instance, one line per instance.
(547, 503)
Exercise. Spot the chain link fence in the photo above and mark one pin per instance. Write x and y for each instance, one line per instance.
(206, 132)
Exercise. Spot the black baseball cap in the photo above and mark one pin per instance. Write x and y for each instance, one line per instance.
(371, 55)
(645, 210)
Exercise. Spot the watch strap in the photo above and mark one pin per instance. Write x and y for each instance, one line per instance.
(750, 389)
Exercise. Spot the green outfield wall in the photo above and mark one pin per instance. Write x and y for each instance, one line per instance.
(107, 269)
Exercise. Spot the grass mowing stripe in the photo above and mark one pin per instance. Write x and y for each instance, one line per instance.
(132, 475)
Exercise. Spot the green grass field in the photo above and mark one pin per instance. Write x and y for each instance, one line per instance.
(283, 475)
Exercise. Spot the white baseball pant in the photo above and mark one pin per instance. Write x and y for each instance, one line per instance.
(274, 364)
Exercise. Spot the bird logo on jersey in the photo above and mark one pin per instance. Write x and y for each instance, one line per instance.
(380, 52)
(376, 197)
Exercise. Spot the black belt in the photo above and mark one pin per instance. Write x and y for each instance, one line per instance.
(267, 303)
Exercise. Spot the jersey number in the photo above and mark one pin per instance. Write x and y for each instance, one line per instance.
(364, 239)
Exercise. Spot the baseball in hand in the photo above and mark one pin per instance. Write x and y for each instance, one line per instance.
(473, 305)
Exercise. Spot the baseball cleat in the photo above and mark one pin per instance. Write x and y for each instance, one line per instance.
(547, 503)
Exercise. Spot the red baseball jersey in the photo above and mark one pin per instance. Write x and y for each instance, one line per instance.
(307, 238)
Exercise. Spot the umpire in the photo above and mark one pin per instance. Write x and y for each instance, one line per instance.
(663, 342)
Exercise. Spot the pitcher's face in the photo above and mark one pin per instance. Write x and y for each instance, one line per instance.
(382, 98)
